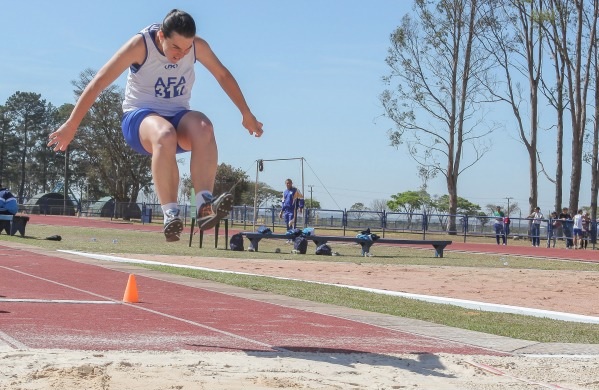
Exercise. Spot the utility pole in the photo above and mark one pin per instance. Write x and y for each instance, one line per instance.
(66, 181)
(311, 186)
(508, 204)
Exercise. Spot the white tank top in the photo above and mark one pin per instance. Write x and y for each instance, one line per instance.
(157, 83)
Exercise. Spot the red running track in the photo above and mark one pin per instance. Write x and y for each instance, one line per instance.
(51, 302)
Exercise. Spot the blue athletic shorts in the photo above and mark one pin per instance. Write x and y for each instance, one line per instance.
(132, 120)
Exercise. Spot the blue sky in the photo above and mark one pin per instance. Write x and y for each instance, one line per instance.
(310, 70)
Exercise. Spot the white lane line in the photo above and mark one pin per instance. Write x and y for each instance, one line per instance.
(468, 304)
(33, 300)
(495, 371)
(11, 342)
(219, 331)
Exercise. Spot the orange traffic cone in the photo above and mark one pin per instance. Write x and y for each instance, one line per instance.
(131, 291)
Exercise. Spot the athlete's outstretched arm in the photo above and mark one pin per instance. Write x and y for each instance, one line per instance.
(206, 56)
(131, 52)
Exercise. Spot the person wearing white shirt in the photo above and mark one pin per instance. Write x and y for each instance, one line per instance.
(535, 231)
(578, 230)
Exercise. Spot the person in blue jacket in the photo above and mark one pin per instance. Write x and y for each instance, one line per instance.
(292, 202)
(8, 202)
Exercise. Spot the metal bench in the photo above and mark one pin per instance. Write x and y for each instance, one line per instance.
(439, 245)
(216, 232)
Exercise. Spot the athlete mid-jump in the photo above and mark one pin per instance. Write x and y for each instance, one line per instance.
(157, 118)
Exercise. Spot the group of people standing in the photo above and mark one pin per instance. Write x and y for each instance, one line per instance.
(575, 230)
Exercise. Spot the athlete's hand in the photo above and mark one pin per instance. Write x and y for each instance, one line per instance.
(61, 138)
(252, 125)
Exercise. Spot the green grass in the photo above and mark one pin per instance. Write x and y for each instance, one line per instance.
(510, 325)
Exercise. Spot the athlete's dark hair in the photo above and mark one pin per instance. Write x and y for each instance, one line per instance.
(180, 22)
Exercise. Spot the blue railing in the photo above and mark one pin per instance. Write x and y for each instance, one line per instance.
(357, 220)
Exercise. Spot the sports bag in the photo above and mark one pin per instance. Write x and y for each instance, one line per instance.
(324, 250)
(300, 244)
(236, 242)
(264, 230)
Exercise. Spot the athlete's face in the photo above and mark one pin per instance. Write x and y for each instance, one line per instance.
(175, 47)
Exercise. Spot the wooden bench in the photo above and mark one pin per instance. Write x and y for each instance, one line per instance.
(439, 245)
(12, 224)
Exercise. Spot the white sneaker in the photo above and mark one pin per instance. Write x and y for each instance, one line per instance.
(173, 225)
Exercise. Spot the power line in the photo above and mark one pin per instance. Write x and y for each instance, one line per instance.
(325, 188)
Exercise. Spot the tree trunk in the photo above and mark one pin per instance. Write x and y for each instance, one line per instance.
(452, 189)
(532, 147)
(559, 164)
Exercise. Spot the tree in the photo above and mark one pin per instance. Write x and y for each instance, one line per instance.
(440, 67)
(425, 174)
(595, 151)
(312, 204)
(228, 179)
(233, 180)
(119, 172)
(407, 202)
(556, 96)
(464, 206)
(483, 219)
(8, 148)
(379, 205)
(518, 49)
(265, 194)
(26, 112)
(57, 169)
(573, 33)
(513, 209)
(185, 188)
(358, 209)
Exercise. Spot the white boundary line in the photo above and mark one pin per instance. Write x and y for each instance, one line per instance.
(498, 372)
(12, 342)
(482, 306)
(57, 301)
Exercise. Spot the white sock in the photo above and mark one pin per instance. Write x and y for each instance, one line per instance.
(168, 206)
(200, 198)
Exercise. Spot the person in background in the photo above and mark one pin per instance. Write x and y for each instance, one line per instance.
(291, 202)
(577, 229)
(499, 225)
(8, 202)
(586, 230)
(506, 225)
(554, 226)
(566, 219)
(535, 227)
